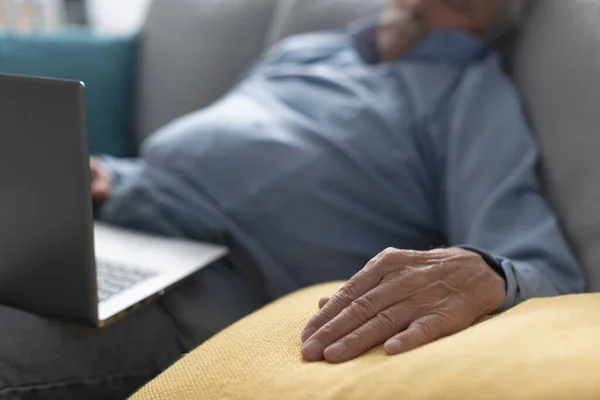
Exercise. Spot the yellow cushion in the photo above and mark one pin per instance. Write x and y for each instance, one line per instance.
(543, 349)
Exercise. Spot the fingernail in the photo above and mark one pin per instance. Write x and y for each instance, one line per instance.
(308, 332)
(335, 352)
(312, 350)
(393, 346)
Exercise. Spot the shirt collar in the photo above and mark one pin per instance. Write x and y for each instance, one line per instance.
(446, 45)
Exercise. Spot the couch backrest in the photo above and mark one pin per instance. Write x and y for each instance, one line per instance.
(558, 70)
(194, 50)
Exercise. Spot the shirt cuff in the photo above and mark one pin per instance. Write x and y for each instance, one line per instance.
(504, 268)
(122, 169)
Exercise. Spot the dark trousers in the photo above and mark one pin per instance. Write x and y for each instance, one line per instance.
(46, 359)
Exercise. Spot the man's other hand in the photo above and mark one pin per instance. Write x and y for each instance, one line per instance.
(101, 181)
(405, 299)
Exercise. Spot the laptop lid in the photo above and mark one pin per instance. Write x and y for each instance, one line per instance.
(46, 233)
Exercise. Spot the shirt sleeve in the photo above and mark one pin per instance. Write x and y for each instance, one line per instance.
(492, 199)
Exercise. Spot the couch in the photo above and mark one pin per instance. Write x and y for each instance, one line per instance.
(194, 50)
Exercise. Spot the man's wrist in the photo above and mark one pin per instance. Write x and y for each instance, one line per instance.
(489, 260)
(505, 268)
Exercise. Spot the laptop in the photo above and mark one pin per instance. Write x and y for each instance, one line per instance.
(54, 259)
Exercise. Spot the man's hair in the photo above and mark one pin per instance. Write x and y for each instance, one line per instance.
(511, 18)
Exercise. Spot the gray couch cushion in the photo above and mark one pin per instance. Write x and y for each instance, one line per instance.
(193, 51)
(558, 69)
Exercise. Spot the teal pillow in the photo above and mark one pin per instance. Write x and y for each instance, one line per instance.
(107, 66)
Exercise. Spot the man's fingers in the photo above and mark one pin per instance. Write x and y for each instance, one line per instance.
(373, 305)
(375, 332)
(323, 301)
(96, 167)
(101, 191)
(421, 332)
(101, 180)
(360, 284)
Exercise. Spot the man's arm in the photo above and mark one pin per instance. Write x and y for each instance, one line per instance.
(492, 198)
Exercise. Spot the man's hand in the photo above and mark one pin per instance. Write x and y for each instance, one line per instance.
(405, 299)
(101, 181)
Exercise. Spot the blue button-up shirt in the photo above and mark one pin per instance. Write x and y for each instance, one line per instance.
(320, 158)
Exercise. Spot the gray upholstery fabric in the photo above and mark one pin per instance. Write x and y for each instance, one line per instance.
(193, 51)
(558, 70)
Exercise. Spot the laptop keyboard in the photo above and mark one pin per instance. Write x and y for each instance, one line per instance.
(113, 278)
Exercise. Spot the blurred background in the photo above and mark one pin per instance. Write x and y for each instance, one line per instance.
(115, 16)
(93, 41)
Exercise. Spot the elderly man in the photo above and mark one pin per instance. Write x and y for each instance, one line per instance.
(402, 135)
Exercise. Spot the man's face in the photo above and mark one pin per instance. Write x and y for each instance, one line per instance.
(468, 15)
